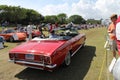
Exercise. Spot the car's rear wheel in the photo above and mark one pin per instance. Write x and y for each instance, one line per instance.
(11, 39)
(67, 60)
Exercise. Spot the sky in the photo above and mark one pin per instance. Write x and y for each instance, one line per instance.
(88, 9)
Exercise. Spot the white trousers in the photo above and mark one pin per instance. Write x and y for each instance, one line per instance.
(116, 70)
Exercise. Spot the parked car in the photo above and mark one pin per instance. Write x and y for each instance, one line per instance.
(36, 33)
(2, 40)
(11, 35)
(48, 53)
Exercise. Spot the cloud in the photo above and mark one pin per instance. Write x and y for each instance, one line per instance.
(55, 9)
(83, 8)
(96, 9)
(99, 9)
(107, 8)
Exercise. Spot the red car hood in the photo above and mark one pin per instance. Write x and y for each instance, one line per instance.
(38, 47)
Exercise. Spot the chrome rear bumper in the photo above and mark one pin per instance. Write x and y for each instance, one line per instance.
(36, 64)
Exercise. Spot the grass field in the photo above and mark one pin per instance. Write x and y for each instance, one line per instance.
(89, 63)
(98, 69)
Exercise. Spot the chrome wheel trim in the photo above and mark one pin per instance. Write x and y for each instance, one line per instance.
(68, 59)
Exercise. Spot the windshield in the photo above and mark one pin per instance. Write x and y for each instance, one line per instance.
(9, 31)
(62, 34)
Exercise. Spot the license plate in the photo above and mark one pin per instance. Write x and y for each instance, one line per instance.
(29, 56)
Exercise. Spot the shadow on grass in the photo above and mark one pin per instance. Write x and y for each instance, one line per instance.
(18, 42)
(4, 46)
(77, 70)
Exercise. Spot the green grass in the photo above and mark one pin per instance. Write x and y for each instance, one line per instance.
(93, 53)
(96, 37)
(0, 28)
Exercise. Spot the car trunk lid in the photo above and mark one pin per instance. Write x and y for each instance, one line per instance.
(38, 47)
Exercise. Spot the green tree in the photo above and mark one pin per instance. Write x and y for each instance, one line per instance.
(62, 18)
(51, 19)
(3, 13)
(17, 14)
(33, 16)
(93, 21)
(76, 19)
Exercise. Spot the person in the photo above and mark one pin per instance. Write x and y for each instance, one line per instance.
(41, 31)
(116, 68)
(29, 31)
(51, 27)
(40, 28)
(52, 34)
(111, 33)
(56, 25)
(118, 34)
(2, 40)
(3, 26)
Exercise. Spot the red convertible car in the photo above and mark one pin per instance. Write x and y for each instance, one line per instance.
(11, 35)
(48, 53)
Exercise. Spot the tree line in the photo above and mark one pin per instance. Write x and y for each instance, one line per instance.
(19, 15)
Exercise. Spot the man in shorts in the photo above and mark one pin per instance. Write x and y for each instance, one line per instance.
(111, 32)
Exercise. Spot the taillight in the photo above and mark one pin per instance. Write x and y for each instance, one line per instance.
(11, 56)
(41, 58)
(16, 55)
(47, 60)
